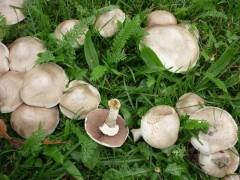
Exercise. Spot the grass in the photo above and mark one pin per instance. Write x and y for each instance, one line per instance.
(117, 68)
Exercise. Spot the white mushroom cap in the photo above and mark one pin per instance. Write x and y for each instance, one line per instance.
(107, 23)
(10, 86)
(79, 99)
(232, 177)
(44, 85)
(13, 15)
(24, 53)
(222, 133)
(221, 163)
(176, 47)
(28, 119)
(161, 17)
(189, 103)
(4, 55)
(191, 28)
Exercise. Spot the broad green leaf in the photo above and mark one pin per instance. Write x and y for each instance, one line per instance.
(54, 153)
(98, 72)
(174, 169)
(72, 170)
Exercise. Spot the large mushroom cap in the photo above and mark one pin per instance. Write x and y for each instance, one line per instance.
(176, 47)
(44, 85)
(28, 119)
(10, 86)
(161, 17)
(10, 9)
(4, 55)
(107, 23)
(220, 164)
(24, 53)
(79, 99)
(222, 133)
(95, 119)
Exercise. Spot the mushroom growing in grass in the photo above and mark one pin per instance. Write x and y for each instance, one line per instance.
(176, 47)
(221, 163)
(189, 103)
(161, 17)
(44, 85)
(4, 55)
(79, 99)
(107, 127)
(10, 86)
(222, 133)
(28, 119)
(191, 28)
(107, 23)
(24, 53)
(159, 127)
(11, 10)
(232, 177)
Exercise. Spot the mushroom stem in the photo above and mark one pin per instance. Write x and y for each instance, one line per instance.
(136, 134)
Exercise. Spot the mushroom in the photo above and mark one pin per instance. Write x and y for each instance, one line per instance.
(159, 127)
(107, 127)
(10, 86)
(79, 99)
(176, 47)
(161, 17)
(191, 28)
(28, 119)
(44, 85)
(222, 133)
(221, 163)
(189, 103)
(4, 55)
(24, 53)
(10, 9)
(107, 23)
(232, 177)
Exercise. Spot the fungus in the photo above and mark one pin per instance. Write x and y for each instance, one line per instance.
(161, 17)
(4, 55)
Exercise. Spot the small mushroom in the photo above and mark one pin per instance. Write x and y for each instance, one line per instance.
(176, 47)
(44, 85)
(10, 9)
(222, 133)
(161, 17)
(79, 99)
(107, 127)
(232, 177)
(189, 103)
(24, 53)
(4, 55)
(10, 86)
(159, 127)
(28, 119)
(220, 164)
(107, 23)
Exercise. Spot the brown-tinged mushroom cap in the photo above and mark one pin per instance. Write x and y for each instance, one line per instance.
(24, 53)
(10, 86)
(96, 119)
(161, 17)
(28, 119)
(4, 55)
(44, 85)
(222, 133)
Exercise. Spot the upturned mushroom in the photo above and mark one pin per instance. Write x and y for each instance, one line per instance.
(10, 86)
(79, 99)
(24, 53)
(107, 23)
(176, 48)
(232, 177)
(11, 10)
(220, 164)
(44, 85)
(4, 55)
(28, 119)
(222, 133)
(107, 127)
(161, 17)
(189, 103)
(159, 127)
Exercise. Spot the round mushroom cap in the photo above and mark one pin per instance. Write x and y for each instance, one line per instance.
(160, 126)
(10, 9)
(44, 85)
(4, 55)
(222, 133)
(220, 164)
(95, 119)
(24, 53)
(79, 99)
(189, 103)
(107, 23)
(161, 17)
(10, 86)
(232, 177)
(176, 47)
(28, 119)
